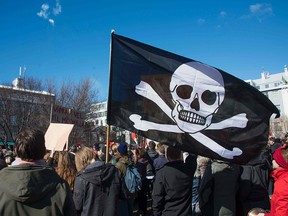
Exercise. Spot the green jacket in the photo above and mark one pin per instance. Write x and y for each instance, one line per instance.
(34, 190)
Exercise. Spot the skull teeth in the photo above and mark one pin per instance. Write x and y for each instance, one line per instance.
(191, 117)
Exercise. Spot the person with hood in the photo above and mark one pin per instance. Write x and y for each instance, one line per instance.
(97, 185)
(31, 187)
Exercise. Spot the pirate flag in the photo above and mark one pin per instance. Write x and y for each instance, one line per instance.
(206, 111)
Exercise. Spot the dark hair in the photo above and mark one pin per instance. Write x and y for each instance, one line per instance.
(30, 144)
(173, 153)
(152, 145)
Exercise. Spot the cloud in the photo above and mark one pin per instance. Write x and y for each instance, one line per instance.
(51, 21)
(259, 11)
(222, 14)
(58, 8)
(45, 12)
(201, 21)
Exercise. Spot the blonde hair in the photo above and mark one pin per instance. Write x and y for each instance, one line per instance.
(255, 211)
(66, 168)
(83, 157)
(114, 148)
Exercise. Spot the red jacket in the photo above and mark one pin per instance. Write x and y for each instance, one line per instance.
(279, 201)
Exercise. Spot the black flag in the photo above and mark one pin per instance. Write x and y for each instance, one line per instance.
(161, 95)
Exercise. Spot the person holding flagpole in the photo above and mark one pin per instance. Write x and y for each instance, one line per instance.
(172, 189)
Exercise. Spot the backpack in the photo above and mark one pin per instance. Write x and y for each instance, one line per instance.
(132, 178)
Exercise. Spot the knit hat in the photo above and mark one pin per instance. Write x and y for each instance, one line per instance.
(122, 149)
(278, 157)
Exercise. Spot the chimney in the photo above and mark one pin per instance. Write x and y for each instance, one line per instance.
(264, 75)
(18, 83)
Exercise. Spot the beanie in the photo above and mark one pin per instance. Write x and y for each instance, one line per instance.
(122, 149)
(278, 157)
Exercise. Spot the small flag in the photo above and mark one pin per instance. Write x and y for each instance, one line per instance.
(160, 95)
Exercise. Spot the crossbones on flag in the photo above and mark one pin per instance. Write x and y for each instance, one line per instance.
(206, 111)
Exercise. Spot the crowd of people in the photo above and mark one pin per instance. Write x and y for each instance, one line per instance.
(37, 181)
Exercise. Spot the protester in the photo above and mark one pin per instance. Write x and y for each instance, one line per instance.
(66, 168)
(161, 160)
(218, 189)
(97, 185)
(2, 160)
(141, 163)
(254, 183)
(274, 143)
(9, 158)
(198, 175)
(102, 155)
(32, 187)
(172, 189)
(125, 205)
(256, 211)
(279, 200)
(151, 156)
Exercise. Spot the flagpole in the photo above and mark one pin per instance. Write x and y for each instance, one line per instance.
(51, 112)
(107, 142)
(108, 126)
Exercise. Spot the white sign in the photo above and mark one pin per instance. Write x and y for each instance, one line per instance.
(57, 135)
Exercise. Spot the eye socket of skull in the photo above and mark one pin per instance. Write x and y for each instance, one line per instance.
(184, 91)
(209, 97)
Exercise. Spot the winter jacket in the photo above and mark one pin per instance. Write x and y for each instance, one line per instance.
(172, 189)
(220, 181)
(279, 201)
(159, 162)
(122, 164)
(254, 183)
(151, 156)
(96, 190)
(28, 189)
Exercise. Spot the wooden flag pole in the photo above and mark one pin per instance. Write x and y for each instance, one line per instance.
(107, 142)
(108, 126)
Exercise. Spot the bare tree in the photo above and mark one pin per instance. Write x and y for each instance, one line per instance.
(30, 105)
(77, 96)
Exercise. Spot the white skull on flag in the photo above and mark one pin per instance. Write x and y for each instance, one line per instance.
(197, 96)
(197, 91)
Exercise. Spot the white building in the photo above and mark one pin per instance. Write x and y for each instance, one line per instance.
(275, 87)
(98, 114)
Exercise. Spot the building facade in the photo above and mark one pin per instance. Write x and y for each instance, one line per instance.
(98, 114)
(20, 107)
(275, 87)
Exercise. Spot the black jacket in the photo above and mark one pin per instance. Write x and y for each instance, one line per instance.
(96, 190)
(34, 190)
(172, 189)
(254, 179)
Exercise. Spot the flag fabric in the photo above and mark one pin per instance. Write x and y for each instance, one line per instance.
(163, 96)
